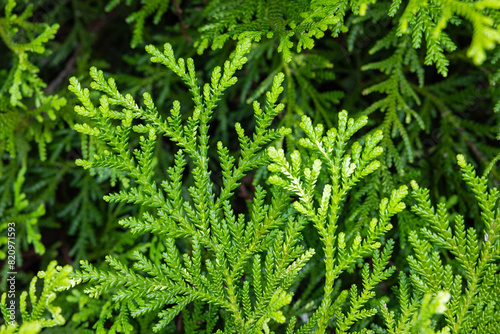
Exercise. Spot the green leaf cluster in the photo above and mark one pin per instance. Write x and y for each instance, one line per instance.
(56, 278)
(22, 83)
(239, 195)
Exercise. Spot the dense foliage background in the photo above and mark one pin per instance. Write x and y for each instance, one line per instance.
(425, 73)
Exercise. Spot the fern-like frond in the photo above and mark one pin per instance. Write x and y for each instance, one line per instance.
(323, 209)
(56, 279)
(474, 254)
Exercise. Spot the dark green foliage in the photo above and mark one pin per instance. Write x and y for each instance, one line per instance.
(138, 18)
(239, 196)
(22, 93)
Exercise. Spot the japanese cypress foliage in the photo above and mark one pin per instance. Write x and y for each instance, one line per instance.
(250, 166)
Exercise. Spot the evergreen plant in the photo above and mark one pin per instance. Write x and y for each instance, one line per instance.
(306, 166)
